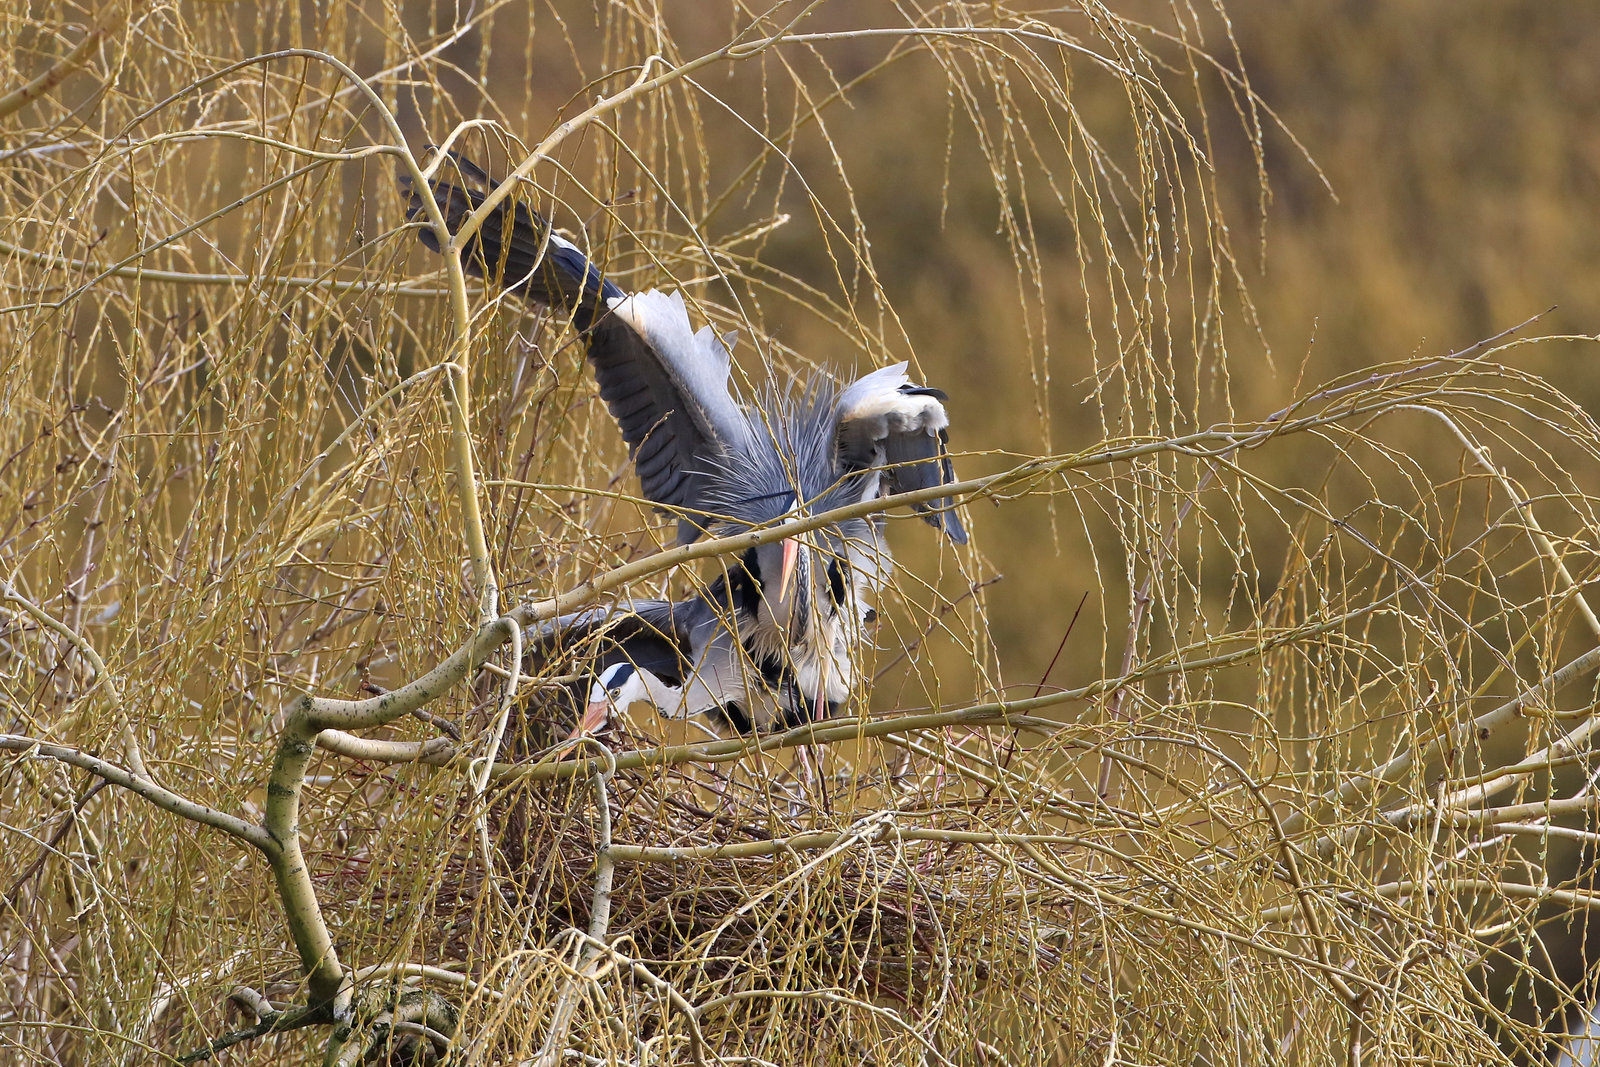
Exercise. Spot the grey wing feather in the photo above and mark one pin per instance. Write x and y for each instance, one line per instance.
(665, 384)
(652, 634)
(885, 421)
(568, 631)
(668, 388)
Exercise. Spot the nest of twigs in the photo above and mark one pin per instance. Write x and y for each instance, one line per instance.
(781, 948)
(904, 906)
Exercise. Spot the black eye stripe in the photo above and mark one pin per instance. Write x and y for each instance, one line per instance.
(614, 676)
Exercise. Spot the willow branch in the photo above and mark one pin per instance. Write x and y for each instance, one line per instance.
(592, 947)
(1274, 425)
(102, 677)
(308, 718)
(1480, 728)
(1524, 506)
(826, 839)
(485, 763)
(58, 71)
(1009, 713)
(1430, 889)
(1543, 809)
(182, 277)
(277, 1022)
(459, 392)
(160, 796)
(436, 751)
(423, 970)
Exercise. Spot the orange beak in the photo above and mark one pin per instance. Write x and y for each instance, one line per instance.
(791, 553)
(594, 717)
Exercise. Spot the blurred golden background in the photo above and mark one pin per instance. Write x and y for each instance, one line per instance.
(235, 477)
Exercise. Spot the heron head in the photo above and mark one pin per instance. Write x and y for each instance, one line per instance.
(614, 688)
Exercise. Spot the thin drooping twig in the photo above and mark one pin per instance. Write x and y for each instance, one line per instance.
(1356, 786)
(102, 677)
(910, 647)
(1524, 506)
(9, 901)
(1271, 424)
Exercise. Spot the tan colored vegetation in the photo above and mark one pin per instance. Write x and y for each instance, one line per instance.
(1252, 728)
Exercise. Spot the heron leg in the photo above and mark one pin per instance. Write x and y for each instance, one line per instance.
(811, 782)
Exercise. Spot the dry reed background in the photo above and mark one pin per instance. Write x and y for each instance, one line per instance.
(1335, 662)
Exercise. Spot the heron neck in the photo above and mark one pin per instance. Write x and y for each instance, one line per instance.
(666, 698)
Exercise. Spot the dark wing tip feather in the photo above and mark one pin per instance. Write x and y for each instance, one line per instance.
(941, 513)
(514, 247)
(946, 520)
(885, 421)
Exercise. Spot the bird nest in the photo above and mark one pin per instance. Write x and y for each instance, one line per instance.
(945, 901)
(776, 908)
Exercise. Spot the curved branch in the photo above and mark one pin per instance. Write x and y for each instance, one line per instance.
(20, 98)
(309, 717)
(163, 798)
(275, 1022)
(1009, 713)
(436, 751)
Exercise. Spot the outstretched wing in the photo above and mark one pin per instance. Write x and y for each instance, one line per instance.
(667, 387)
(664, 383)
(514, 248)
(653, 635)
(884, 421)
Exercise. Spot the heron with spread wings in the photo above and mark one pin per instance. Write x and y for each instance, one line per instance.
(774, 641)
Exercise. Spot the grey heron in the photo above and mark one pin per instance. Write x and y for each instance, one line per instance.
(774, 641)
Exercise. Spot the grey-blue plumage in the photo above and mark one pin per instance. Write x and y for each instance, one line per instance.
(775, 640)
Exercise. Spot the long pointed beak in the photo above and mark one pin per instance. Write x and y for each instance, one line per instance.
(594, 717)
(791, 553)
